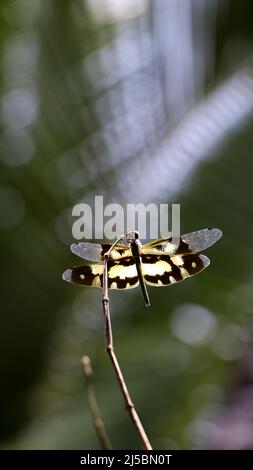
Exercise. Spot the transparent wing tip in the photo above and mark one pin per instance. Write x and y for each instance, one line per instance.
(73, 247)
(205, 260)
(216, 233)
(67, 275)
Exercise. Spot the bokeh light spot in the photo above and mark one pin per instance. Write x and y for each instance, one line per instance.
(193, 324)
(19, 108)
(16, 148)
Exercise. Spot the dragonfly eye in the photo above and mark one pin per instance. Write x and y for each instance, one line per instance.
(132, 236)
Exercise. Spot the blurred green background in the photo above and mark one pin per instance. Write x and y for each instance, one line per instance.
(138, 101)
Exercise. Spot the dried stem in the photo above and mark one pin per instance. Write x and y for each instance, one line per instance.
(109, 346)
(97, 420)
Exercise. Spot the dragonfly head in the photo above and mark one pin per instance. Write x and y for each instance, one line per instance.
(132, 236)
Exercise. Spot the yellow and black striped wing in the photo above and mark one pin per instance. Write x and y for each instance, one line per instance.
(163, 270)
(193, 242)
(121, 274)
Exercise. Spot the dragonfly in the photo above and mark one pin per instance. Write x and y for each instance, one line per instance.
(156, 263)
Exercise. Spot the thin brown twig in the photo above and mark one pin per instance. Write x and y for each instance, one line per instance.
(97, 420)
(109, 346)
